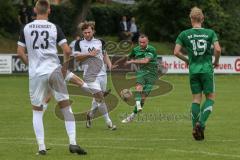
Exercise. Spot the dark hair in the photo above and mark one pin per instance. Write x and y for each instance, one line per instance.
(142, 35)
(87, 24)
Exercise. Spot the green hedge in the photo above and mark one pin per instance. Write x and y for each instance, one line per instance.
(8, 18)
(106, 17)
(64, 17)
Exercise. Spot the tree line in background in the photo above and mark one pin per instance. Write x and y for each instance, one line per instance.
(162, 20)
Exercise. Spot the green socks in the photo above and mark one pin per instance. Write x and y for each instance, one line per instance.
(206, 110)
(195, 113)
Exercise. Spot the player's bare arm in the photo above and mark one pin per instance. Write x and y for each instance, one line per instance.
(179, 54)
(139, 61)
(217, 53)
(83, 56)
(22, 54)
(67, 52)
(107, 61)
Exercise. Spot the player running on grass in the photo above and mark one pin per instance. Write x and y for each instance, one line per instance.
(90, 51)
(40, 38)
(145, 56)
(198, 42)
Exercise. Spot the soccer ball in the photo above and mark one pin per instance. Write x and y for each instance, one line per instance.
(126, 94)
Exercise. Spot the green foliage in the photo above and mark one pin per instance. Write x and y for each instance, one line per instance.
(63, 16)
(107, 17)
(165, 19)
(8, 18)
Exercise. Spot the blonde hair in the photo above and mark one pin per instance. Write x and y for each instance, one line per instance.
(86, 24)
(196, 14)
(42, 6)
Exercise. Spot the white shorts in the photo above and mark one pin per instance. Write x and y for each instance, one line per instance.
(100, 84)
(41, 86)
(69, 76)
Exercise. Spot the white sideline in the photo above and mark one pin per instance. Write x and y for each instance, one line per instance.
(122, 139)
(87, 146)
(28, 141)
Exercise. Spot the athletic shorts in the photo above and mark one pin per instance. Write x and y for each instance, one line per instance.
(98, 85)
(40, 86)
(147, 81)
(69, 76)
(202, 82)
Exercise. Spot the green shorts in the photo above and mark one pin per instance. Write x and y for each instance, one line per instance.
(147, 81)
(202, 82)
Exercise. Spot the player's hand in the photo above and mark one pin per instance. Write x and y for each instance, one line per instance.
(215, 64)
(94, 52)
(114, 66)
(128, 62)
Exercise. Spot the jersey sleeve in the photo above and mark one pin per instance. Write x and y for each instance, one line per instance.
(77, 48)
(150, 54)
(179, 39)
(214, 38)
(21, 40)
(61, 39)
(103, 46)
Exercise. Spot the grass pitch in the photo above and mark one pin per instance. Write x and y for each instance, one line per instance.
(162, 131)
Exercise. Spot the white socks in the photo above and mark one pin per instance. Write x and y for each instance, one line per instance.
(38, 129)
(103, 109)
(138, 104)
(70, 124)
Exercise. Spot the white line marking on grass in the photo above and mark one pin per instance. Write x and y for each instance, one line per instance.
(206, 153)
(87, 146)
(120, 139)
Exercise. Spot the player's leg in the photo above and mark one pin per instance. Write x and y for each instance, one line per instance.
(208, 89)
(138, 97)
(149, 83)
(103, 84)
(60, 93)
(71, 77)
(196, 88)
(38, 88)
(101, 81)
(138, 107)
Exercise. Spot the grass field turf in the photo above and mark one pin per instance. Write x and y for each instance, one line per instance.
(157, 138)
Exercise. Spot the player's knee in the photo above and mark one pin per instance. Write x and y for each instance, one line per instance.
(37, 108)
(64, 103)
(99, 97)
(139, 88)
(197, 98)
(210, 96)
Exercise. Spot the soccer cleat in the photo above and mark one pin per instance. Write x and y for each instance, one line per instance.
(128, 119)
(42, 152)
(195, 134)
(107, 92)
(113, 127)
(199, 132)
(77, 149)
(88, 121)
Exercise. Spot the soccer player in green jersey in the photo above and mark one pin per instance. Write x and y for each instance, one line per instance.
(145, 56)
(198, 43)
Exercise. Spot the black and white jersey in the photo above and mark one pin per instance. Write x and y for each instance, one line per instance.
(93, 66)
(41, 37)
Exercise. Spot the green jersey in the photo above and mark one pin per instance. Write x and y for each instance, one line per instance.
(198, 43)
(150, 52)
